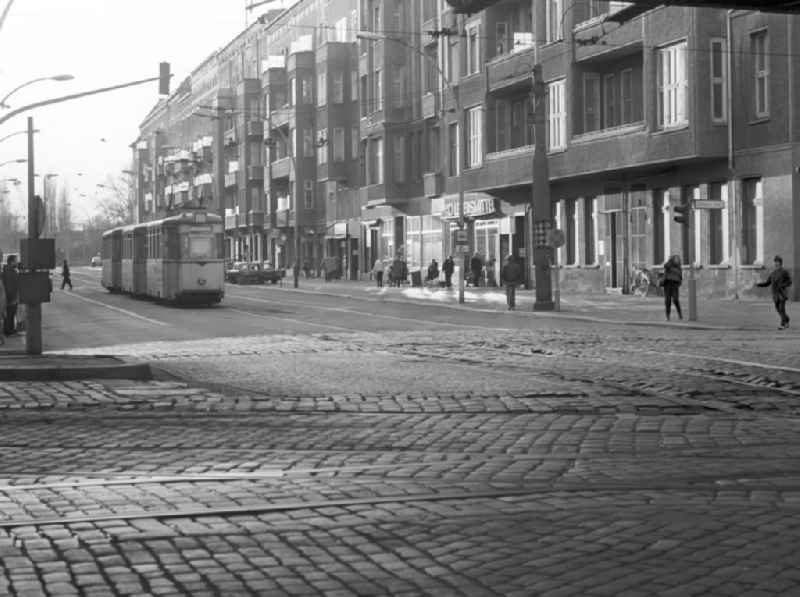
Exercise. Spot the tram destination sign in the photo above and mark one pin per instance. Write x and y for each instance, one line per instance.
(708, 204)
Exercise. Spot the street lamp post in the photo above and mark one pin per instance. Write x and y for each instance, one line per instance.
(460, 150)
(31, 82)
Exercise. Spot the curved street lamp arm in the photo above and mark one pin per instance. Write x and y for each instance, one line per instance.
(5, 13)
(72, 96)
(18, 87)
(17, 133)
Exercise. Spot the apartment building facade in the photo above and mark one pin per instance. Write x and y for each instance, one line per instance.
(363, 142)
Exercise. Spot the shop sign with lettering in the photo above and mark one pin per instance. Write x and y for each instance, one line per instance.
(473, 207)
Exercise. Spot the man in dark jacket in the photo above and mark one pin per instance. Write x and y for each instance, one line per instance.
(448, 267)
(511, 275)
(10, 278)
(780, 280)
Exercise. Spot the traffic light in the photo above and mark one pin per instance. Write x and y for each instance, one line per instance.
(163, 78)
(683, 210)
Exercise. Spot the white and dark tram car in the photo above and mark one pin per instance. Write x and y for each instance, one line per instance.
(177, 259)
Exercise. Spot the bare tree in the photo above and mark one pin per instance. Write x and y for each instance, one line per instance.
(117, 203)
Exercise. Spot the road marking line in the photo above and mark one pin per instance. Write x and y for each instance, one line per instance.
(117, 309)
(373, 315)
(321, 325)
(729, 361)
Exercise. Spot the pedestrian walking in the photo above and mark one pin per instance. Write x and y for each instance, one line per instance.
(448, 267)
(673, 277)
(377, 270)
(10, 279)
(780, 280)
(66, 279)
(433, 271)
(476, 266)
(510, 276)
(399, 270)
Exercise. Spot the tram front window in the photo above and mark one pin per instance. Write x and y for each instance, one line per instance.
(200, 247)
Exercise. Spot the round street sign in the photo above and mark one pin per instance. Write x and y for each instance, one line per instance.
(557, 238)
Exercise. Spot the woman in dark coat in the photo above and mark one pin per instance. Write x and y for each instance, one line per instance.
(67, 280)
(673, 276)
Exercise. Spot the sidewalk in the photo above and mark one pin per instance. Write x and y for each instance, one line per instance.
(16, 365)
(757, 314)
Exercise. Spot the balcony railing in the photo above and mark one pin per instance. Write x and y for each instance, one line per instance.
(282, 168)
(430, 104)
(230, 180)
(432, 183)
(255, 129)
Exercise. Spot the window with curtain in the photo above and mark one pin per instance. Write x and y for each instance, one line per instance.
(672, 86)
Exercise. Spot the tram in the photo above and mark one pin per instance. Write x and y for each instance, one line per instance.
(177, 259)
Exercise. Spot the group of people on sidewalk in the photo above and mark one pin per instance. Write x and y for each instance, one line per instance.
(779, 280)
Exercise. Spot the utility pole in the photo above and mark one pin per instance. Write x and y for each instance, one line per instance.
(541, 210)
(33, 308)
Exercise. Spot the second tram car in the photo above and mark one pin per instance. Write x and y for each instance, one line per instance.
(177, 259)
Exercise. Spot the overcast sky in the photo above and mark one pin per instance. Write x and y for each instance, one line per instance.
(101, 43)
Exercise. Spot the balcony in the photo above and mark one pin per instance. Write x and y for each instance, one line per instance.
(511, 70)
(255, 219)
(255, 129)
(280, 117)
(430, 104)
(255, 173)
(282, 219)
(230, 180)
(230, 221)
(230, 137)
(432, 183)
(281, 168)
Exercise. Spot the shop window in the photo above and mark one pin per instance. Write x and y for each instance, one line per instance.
(571, 231)
(716, 226)
(590, 230)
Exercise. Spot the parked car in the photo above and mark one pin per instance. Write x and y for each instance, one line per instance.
(242, 272)
(96, 261)
(270, 274)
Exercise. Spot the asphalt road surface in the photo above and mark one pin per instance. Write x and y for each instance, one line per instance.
(303, 444)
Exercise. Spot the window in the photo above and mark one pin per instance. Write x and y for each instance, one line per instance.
(355, 139)
(501, 38)
(290, 143)
(521, 128)
(450, 61)
(718, 82)
(555, 10)
(473, 48)
(364, 96)
(322, 148)
(716, 226)
(307, 93)
(501, 125)
(751, 232)
(398, 87)
(340, 30)
(378, 90)
(308, 143)
(377, 25)
(591, 102)
(475, 136)
(589, 225)
(292, 91)
(611, 107)
(399, 161)
(434, 150)
(639, 226)
(556, 117)
(660, 199)
(308, 194)
(571, 232)
(379, 160)
(353, 85)
(626, 96)
(672, 86)
(338, 144)
(430, 65)
(759, 48)
(597, 8)
(322, 89)
(452, 139)
(338, 87)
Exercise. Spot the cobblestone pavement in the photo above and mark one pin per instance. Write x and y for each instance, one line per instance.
(558, 462)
